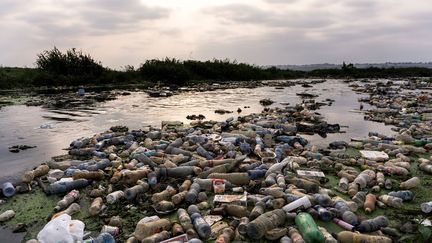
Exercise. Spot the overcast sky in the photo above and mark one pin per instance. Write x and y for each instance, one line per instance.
(262, 32)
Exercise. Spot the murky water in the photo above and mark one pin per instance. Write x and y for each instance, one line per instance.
(53, 130)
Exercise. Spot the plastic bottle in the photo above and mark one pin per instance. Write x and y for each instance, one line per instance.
(226, 236)
(343, 224)
(236, 210)
(256, 174)
(145, 229)
(426, 207)
(388, 184)
(39, 171)
(100, 165)
(323, 213)
(275, 192)
(237, 178)
(359, 198)
(258, 209)
(323, 200)
(270, 179)
(410, 183)
(158, 237)
(405, 195)
(89, 175)
(164, 195)
(114, 197)
(369, 204)
(179, 172)
(185, 185)
(276, 233)
(112, 230)
(67, 200)
(302, 202)
(102, 238)
(131, 193)
(380, 179)
(152, 178)
(115, 221)
(265, 222)
(426, 167)
(95, 206)
(184, 219)
(7, 215)
(285, 239)
(391, 201)
(242, 228)
(351, 237)
(277, 203)
(8, 189)
(364, 178)
(328, 237)
(201, 226)
(350, 218)
(177, 229)
(192, 194)
(179, 197)
(343, 184)
(372, 225)
(352, 189)
(131, 177)
(72, 209)
(295, 235)
(310, 187)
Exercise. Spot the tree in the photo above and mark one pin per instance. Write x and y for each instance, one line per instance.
(72, 62)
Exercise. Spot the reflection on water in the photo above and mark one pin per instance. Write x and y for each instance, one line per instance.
(53, 130)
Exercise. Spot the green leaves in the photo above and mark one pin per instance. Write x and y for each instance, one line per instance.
(425, 232)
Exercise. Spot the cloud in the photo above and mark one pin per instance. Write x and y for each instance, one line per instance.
(248, 14)
(91, 17)
(255, 31)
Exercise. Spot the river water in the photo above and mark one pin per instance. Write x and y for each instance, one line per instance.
(51, 132)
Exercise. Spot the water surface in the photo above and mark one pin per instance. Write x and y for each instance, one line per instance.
(52, 130)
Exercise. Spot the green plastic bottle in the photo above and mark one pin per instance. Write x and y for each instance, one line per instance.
(420, 143)
(308, 228)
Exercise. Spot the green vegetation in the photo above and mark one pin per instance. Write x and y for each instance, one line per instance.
(73, 68)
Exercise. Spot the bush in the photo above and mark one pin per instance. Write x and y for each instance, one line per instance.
(74, 66)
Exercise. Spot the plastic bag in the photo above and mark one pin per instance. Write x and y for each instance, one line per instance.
(62, 230)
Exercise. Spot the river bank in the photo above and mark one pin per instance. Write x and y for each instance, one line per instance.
(279, 129)
(50, 128)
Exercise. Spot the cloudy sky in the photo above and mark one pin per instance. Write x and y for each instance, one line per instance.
(120, 32)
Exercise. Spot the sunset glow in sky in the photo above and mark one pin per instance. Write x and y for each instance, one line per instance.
(259, 32)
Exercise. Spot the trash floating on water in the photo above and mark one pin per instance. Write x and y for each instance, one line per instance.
(247, 178)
